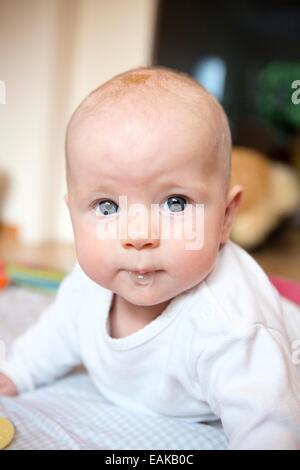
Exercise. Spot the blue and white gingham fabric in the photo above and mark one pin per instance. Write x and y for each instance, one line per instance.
(72, 414)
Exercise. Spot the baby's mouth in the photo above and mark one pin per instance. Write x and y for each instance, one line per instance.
(142, 278)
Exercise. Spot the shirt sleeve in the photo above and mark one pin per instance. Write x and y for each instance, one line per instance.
(49, 348)
(251, 383)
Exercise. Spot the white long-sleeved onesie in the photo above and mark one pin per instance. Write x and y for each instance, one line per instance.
(223, 349)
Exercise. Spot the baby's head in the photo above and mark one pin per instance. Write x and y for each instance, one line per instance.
(158, 139)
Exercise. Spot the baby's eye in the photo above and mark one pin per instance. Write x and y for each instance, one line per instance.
(106, 207)
(176, 203)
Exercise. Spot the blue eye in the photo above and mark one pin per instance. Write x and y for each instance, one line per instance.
(106, 207)
(176, 203)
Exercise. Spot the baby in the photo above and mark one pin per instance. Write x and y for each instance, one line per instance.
(168, 316)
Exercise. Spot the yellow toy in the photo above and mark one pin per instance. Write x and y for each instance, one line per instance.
(271, 193)
(7, 432)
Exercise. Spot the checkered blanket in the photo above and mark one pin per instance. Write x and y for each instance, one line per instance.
(71, 414)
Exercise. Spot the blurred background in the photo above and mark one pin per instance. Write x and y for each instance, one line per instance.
(54, 52)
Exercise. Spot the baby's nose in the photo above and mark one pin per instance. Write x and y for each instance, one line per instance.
(138, 242)
(140, 235)
(140, 227)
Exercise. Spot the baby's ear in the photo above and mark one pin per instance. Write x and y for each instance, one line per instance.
(234, 198)
(66, 198)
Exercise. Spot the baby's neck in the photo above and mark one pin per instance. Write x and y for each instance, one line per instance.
(126, 318)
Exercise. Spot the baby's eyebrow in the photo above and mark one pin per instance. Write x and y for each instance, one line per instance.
(173, 186)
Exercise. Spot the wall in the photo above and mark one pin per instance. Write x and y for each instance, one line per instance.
(52, 53)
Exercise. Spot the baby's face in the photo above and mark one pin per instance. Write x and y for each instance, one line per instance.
(168, 162)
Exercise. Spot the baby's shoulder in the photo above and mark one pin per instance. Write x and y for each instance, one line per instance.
(77, 284)
(236, 295)
(87, 290)
(79, 278)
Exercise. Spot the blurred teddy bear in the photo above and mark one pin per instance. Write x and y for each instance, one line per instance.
(271, 194)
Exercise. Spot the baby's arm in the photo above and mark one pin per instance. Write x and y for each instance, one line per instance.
(251, 383)
(48, 349)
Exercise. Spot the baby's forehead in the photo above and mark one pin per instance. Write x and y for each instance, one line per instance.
(147, 91)
(148, 101)
(138, 132)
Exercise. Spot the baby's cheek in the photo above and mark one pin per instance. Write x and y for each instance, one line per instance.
(94, 256)
(206, 257)
(193, 257)
(197, 263)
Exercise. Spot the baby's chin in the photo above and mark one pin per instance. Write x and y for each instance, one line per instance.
(157, 289)
(146, 290)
